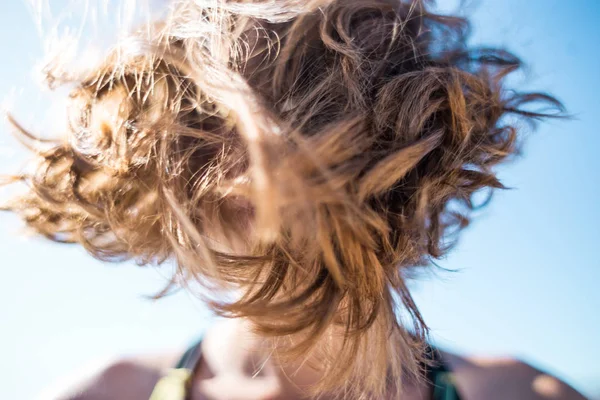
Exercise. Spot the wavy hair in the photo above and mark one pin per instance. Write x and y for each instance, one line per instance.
(306, 154)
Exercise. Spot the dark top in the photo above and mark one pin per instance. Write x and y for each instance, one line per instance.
(177, 385)
(440, 377)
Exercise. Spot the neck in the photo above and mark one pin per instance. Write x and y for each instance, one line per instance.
(235, 358)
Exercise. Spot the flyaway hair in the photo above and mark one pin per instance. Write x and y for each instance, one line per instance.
(309, 154)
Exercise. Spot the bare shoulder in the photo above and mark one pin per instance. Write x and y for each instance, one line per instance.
(131, 378)
(506, 378)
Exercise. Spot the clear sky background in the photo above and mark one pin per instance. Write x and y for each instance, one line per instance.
(528, 270)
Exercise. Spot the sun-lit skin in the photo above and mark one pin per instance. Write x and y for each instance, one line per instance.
(236, 365)
(310, 156)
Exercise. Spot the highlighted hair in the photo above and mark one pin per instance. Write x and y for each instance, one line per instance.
(311, 153)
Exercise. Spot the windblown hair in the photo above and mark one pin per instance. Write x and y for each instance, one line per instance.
(308, 154)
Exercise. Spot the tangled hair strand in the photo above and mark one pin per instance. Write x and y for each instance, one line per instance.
(312, 153)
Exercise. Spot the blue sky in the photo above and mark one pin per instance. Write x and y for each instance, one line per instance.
(528, 269)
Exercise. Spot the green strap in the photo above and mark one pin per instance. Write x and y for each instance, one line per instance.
(444, 387)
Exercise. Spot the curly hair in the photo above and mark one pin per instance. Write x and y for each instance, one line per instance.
(306, 155)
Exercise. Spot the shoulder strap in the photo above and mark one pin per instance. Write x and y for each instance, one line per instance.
(191, 357)
(176, 384)
(173, 386)
(441, 378)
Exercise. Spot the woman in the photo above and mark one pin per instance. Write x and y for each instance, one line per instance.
(300, 160)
